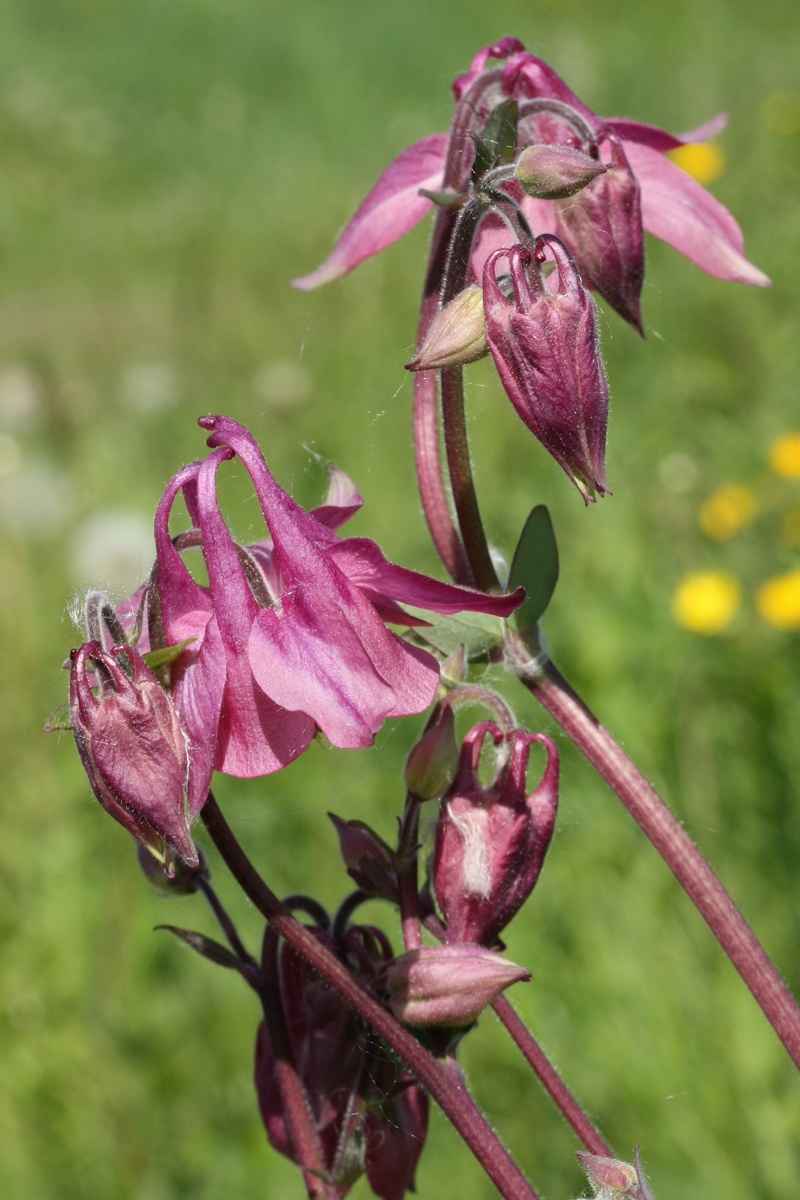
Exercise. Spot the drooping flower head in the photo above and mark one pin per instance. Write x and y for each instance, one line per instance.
(543, 338)
(290, 634)
(132, 747)
(369, 1114)
(657, 194)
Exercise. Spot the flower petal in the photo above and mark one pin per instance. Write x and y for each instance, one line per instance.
(255, 736)
(342, 501)
(392, 208)
(332, 657)
(364, 565)
(678, 210)
(659, 139)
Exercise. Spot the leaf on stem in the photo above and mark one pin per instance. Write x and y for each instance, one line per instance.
(535, 567)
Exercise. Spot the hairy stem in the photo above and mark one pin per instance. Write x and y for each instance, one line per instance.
(544, 1070)
(462, 483)
(686, 862)
(454, 1100)
(550, 1079)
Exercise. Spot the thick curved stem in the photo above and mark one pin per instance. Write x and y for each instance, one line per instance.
(550, 1079)
(461, 480)
(688, 865)
(453, 1099)
(430, 480)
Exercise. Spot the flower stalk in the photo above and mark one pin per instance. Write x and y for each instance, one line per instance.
(670, 839)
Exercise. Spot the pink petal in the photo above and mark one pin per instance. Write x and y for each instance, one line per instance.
(342, 501)
(255, 737)
(678, 210)
(501, 49)
(392, 208)
(365, 566)
(332, 657)
(659, 139)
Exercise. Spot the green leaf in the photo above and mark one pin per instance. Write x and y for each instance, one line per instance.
(159, 658)
(535, 567)
(498, 143)
(478, 633)
(59, 721)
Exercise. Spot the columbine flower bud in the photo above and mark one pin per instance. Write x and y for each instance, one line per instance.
(545, 347)
(431, 765)
(491, 841)
(457, 334)
(555, 172)
(612, 1179)
(367, 857)
(132, 747)
(447, 985)
(602, 229)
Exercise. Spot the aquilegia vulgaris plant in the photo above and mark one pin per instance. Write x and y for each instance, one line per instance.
(540, 206)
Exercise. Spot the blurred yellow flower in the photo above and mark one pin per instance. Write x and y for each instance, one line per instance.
(784, 455)
(704, 161)
(778, 600)
(706, 601)
(726, 511)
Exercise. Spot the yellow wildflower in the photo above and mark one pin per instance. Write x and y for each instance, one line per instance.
(778, 600)
(706, 601)
(726, 511)
(784, 455)
(704, 161)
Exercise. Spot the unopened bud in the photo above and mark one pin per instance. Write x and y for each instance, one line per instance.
(612, 1179)
(432, 763)
(457, 334)
(367, 857)
(132, 747)
(544, 343)
(447, 985)
(556, 172)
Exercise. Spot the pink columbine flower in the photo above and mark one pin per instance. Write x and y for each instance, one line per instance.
(132, 747)
(491, 841)
(291, 633)
(543, 339)
(671, 205)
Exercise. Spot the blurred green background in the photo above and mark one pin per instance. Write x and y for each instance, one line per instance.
(165, 169)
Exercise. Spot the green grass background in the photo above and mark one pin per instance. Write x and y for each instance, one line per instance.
(165, 168)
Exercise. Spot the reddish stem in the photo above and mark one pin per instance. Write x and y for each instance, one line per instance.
(550, 1079)
(544, 1070)
(688, 865)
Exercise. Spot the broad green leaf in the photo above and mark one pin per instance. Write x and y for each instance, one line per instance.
(535, 567)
